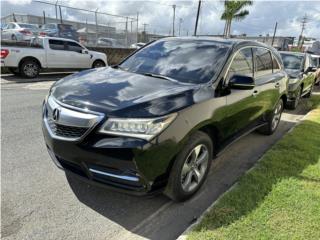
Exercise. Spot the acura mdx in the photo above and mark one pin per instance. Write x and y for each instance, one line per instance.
(155, 121)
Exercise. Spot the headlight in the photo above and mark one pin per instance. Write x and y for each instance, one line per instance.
(145, 128)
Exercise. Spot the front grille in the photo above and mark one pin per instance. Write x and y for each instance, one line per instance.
(66, 131)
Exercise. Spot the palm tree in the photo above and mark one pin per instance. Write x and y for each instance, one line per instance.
(234, 10)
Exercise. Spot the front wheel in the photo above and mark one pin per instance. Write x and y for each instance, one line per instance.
(98, 64)
(294, 104)
(273, 120)
(190, 168)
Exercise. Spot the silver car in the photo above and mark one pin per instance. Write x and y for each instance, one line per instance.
(19, 31)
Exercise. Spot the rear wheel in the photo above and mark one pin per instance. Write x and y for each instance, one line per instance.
(274, 120)
(98, 64)
(190, 168)
(29, 68)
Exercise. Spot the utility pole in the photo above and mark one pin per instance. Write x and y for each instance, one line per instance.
(274, 33)
(197, 19)
(180, 22)
(60, 14)
(96, 19)
(56, 9)
(174, 16)
(44, 17)
(303, 27)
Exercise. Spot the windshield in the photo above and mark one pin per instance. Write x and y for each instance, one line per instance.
(291, 61)
(30, 26)
(190, 61)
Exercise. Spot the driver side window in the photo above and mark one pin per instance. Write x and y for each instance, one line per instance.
(241, 64)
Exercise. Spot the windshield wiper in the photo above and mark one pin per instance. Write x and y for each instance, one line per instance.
(159, 76)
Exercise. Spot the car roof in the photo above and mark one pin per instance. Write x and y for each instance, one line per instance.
(228, 41)
(57, 38)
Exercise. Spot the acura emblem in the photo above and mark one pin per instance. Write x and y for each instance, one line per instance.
(56, 114)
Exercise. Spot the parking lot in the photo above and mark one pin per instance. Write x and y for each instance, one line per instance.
(40, 201)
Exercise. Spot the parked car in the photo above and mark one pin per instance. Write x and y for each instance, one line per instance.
(137, 45)
(19, 31)
(51, 53)
(60, 30)
(301, 76)
(155, 121)
(109, 42)
(316, 63)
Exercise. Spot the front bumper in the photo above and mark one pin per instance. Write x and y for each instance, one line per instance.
(132, 165)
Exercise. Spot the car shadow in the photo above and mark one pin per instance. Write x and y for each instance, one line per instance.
(10, 78)
(159, 218)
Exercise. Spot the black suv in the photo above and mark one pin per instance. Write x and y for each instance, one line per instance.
(301, 74)
(155, 121)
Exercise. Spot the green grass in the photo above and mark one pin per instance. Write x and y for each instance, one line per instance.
(279, 198)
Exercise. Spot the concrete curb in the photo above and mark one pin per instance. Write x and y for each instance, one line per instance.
(185, 234)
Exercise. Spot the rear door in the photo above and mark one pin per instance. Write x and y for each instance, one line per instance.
(308, 76)
(58, 56)
(268, 78)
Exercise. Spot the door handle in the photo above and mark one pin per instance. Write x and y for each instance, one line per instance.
(277, 85)
(255, 93)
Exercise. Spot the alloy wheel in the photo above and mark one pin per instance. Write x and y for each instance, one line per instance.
(194, 168)
(30, 70)
(276, 116)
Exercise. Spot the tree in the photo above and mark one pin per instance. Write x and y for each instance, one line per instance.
(234, 10)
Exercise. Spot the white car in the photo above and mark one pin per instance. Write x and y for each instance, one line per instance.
(50, 53)
(19, 31)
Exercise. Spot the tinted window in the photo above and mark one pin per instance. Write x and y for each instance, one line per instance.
(275, 65)
(72, 46)
(242, 64)
(56, 44)
(192, 61)
(263, 62)
(292, 61)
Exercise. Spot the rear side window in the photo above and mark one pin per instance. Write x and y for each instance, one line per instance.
(242, 64)
(72, 46)
(56, 44)
(263, 62)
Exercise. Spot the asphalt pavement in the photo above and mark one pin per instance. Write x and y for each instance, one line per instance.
(40, 201)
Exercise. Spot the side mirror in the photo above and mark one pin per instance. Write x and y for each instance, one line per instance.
(84, 51)
(241, 82)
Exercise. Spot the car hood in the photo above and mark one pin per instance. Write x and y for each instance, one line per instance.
(124, 94)
(293, 73)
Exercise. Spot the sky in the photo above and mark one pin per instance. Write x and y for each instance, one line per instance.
(158, 15)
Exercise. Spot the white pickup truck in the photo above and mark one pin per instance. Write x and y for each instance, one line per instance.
(49, 53)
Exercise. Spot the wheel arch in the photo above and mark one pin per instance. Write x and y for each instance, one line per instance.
(29, 58)
(98, 60)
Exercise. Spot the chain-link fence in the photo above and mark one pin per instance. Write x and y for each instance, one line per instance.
(92, 28)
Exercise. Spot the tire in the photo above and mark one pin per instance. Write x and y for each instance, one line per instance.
(308, 95)
(273, 120)
(14, 71)
(190, 168)
(98, 64)
(293, 105)
(29, 68)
